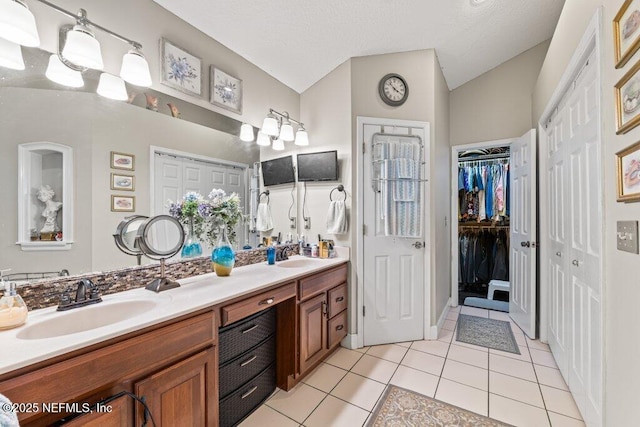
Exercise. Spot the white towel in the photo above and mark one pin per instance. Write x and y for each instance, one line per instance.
(337, 217)
(264, 221)
(7, 418)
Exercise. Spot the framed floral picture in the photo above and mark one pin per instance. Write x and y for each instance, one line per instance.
(626, 32)
(181, 70)
(123, 161)
(123, 203)
(628, 168)
(226, 90)
(123, 182)
(627, 92)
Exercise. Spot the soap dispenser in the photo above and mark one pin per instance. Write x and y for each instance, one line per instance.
(13, 310)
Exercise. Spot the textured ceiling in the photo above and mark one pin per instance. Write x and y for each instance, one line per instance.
(300, 41)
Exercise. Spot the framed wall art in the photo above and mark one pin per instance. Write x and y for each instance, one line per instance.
(181, 70)
(226, 90)
(123, 203)
(123, 182)
(123, 161)
(626, 32)
(627, 92)
(628, 168)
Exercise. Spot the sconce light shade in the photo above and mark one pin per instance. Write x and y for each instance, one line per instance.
(302, 138)
(59, 73)
(246, 132)
(135, 69)
(270, 126)
(263, 139)
(112, 87)
(278, 145)
(286, 132)
(11, 55)
(17, 23)
(82, 48)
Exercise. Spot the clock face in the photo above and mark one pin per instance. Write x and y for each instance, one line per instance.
(393, 90)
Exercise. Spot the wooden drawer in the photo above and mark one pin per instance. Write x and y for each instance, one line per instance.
(324, 281)
(239, 310)
(337, 300)
(239, 337)
(337, 329)
(248, 365)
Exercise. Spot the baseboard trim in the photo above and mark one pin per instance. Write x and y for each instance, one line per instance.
(350, 341)
(436, 328)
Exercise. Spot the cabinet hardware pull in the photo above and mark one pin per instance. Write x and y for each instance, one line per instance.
(339, 299)
(324, 307)
(339, 327)
(267, 301)
(250, 329)
(558, 254)
(250, 392)
(246, 362)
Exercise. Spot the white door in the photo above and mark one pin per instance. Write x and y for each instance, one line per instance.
(394, 267)
(522, 254)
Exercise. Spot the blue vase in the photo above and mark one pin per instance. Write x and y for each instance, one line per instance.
(192, 247)
(223, 258)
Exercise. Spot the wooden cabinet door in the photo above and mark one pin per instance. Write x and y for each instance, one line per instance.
(117, 413)
(183, 394)
(313, 331)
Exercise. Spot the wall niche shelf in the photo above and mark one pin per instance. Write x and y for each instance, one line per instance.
(45, 219)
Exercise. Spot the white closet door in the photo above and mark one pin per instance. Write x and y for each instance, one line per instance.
(167, 182)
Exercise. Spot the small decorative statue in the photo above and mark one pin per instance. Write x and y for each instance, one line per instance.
(51, 208)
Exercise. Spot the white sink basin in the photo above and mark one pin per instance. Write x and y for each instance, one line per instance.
(298, 262)
(83, 319)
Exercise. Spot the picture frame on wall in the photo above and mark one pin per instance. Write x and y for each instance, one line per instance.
(123, 203)
(626, 32)
(226, 90)
(123, 182)
(181, 69)
(628, 171)
(123, 161)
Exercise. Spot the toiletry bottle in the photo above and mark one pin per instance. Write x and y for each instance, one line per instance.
(301, 242)
(13, 310)
(314, 251)
(271, 255)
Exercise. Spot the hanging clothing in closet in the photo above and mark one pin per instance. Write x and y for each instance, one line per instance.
(483, 191)
(483, 256)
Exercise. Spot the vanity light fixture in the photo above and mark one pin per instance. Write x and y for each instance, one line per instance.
(135, 69)
(246, 132)
(270, 125)
(277, 126)
(112, 87)
(81, 47)
(278, 145)
(11, 55)
(263, 139)
(59, 73)
(17, 23)
(302, 137)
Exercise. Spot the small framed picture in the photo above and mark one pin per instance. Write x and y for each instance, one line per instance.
(123, 182)
(123, 203)
(181, 69)
(123, 161)
(628, 168)
(628, 100)
(626, 32)
(226, 90)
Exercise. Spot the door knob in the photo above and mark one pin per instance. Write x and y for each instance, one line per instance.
(418, 245)
(525, 244)
(575, 262)
(559, 254)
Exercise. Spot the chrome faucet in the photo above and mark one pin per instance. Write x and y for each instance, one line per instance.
(84, 286)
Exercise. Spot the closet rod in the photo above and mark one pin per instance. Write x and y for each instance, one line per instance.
(475, 227)
(485, 157)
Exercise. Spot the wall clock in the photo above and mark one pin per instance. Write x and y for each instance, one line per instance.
(393, 90)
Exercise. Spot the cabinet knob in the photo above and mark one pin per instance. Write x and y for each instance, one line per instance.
(339, 327)
(339, 299)
(559, 254)
(267, 301)
(575, 262)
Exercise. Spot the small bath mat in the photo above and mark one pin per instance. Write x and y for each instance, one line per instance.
(491, 333)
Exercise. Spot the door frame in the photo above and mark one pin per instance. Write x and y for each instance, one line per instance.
(455, 150)
(429, 272)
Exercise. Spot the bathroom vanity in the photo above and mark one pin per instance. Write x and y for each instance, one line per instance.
(172, 355)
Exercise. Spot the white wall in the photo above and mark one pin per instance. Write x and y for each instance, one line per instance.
(621, 292)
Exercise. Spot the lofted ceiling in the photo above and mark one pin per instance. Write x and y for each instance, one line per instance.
(300, 41)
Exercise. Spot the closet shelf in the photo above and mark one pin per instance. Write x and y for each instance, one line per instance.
(481, 226)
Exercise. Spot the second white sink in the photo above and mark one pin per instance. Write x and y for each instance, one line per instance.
(298, 262)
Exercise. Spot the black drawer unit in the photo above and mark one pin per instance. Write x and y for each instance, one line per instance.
(235, 407)
(240, 336)
(238, 371)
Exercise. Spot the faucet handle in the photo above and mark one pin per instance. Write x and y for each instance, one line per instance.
(65, 297)
(94, 293)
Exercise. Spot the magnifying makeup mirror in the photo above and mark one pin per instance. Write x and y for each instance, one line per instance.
(126, 233)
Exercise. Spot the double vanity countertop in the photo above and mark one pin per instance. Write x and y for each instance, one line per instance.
(49, 333)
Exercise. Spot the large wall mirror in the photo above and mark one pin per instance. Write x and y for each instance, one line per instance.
(34, 109)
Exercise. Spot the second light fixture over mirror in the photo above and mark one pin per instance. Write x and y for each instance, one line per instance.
(276, 129)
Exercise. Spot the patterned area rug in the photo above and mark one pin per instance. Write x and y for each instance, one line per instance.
(401, 407)
(491, 333)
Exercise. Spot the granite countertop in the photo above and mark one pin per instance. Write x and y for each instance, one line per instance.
(195, 293)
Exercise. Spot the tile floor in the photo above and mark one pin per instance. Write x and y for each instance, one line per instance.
(522, 390)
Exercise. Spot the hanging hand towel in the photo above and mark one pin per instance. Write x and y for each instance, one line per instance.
(406, 180)
(337, 217)
(264, 221)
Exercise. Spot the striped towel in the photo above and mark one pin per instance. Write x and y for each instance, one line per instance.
(405, 187)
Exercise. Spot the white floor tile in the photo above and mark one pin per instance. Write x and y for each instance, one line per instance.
(516, 413)
(560, 401)
(515, 388)
(436, 347)
(344, 358)
(558, 420)
(513, 367)
(358, 391)
(375, 368)
(325, 377)
(551, 377)
(418, 381)
(404, 344)
(524, 353)
(445, 335)
(474, 311)
(423, 362)
(455, 309)
(520, 337)
(361, 350)
(265, 416)
(461, 395)
(469, 356)
(453, 315)
(298, 403)
(334, 412)
(391, 352)
(449, 324)
(541, 357)
(538, 345)
(466, 374)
